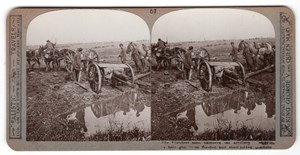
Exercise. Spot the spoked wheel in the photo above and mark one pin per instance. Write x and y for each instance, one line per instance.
(95, 77)
(206, 106)
(241, 72)
(204, 55)
(88, 57)
(205, 76)
(69, 59)
(129, 72)
(179, 59)
(98, 110)
(180, 65)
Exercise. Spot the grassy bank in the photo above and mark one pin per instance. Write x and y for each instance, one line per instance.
(243, 133)
(60, 131)
(120, 135)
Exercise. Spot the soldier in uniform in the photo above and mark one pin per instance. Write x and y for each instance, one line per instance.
(122, 54)
(234, 52)
(136, 56)
(268, 54)
(256, 45)
(161, 45)
(49, 45)
(248, 54)
(49, 49)
(188, 63)
(146, 59)
(78, 64)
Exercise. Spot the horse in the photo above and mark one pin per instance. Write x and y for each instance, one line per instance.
(163, 57)
(266, 53)
(33, 56)
(68, 56)
(57, 57)
(51, 56)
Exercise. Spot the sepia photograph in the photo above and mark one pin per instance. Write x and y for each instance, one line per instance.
(215, 77)
(151, 78)
(82, 70)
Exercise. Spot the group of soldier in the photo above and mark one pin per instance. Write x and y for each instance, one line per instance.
(142, 59)
(259, 52)
(49, 47)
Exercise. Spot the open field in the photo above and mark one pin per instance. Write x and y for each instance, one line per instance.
(55, 102)
(183, 112)
(169, 109)
(107, 51)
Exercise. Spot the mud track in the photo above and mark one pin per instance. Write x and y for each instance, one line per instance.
(52, 96)
(172, 95)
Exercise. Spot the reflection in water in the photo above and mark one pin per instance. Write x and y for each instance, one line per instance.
(270, 109)
(187, 119)
(235, 101)
(123, 112)
(236, 109)
(79, 116)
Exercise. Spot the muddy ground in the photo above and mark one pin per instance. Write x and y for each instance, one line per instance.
(174, 95)
(53, 96)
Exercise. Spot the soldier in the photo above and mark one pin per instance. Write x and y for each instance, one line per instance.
(273, 54)
(248, 54)
(161, 45)
(256, 45)
(146, 62)
(122, 54)
(49, 45)
(188, 63)
(268, 55)
(49, 49)
(77, 64)
(234, 52)
(136, 56)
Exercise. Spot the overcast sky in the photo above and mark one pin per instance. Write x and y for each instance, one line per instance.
(80, 26)
(211, 24)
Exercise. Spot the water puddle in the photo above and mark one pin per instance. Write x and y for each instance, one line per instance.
(235, 110)
(125, 120)
(123, 113)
